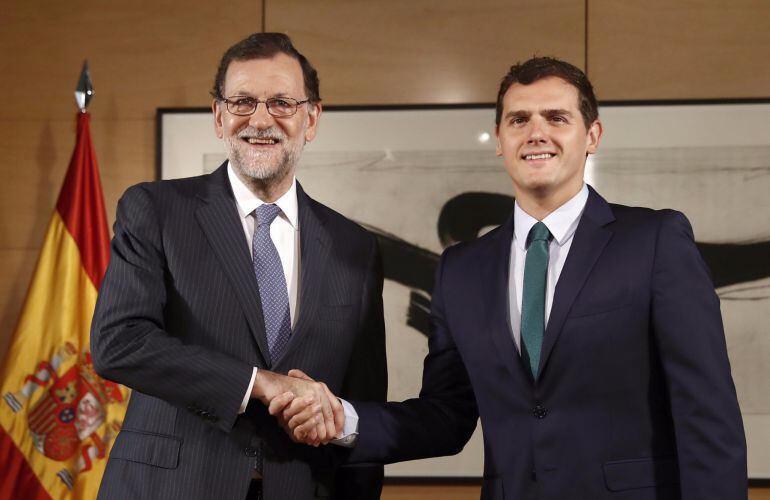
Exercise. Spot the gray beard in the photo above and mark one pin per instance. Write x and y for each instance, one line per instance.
(261, 167)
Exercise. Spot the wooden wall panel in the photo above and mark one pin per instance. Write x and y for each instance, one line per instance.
(659, 49)
(36, 155)
(423, 51)
(143, 55)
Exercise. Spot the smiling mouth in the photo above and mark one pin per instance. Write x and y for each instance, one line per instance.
(261, 141)
(538, 156)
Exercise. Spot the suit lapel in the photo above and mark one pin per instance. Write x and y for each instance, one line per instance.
(495, 269)
(218, 217)
(315, 244)
(589, 241)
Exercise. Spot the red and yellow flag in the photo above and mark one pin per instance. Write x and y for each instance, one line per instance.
(57, 417)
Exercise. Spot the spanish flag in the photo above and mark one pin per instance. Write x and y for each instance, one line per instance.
(57, 417)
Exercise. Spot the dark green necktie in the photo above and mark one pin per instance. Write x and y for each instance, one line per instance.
(533, 300)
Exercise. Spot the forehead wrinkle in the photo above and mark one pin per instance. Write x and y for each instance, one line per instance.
(242, 93)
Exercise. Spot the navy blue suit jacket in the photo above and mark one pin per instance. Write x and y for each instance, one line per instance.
(634, 399)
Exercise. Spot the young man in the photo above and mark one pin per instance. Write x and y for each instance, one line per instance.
(215, 279)
(586, 335)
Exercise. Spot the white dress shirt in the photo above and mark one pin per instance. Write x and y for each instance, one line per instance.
(562, 224)
(284, 231)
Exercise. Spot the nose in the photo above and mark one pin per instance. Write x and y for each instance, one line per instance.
(261, 119)
(537, 133)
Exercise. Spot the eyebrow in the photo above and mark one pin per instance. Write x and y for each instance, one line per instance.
(551, 112)
(517, 113)
(520, 113)
(245, 93)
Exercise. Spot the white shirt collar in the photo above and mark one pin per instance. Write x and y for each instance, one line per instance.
(562, 222)
(248, 202)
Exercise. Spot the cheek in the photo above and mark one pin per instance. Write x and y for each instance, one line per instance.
(296, 132)
(293, 130)
(512, 167)
(512, 141)
(509, 150)
(232, 126)
(574, 146)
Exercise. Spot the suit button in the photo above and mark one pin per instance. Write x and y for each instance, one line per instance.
(250, 451)
(539, 412)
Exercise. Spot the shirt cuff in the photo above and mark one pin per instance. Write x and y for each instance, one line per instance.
(350, 430)
(246, 398)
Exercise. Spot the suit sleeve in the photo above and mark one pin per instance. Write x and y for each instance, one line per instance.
(441, 420)
(688, 330)
(129, 342)
(366, 378)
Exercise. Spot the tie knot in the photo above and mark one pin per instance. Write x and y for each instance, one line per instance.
(539, 232)
(266, 213)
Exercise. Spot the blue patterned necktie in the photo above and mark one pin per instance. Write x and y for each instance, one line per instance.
(272, 282)
(533, 300)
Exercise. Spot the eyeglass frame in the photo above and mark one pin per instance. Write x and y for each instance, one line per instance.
(257, 102)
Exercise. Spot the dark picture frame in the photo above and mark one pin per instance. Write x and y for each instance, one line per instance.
(422, 177)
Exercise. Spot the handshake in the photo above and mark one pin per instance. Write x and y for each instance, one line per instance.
(307, 410)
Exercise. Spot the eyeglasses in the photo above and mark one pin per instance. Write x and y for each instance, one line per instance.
(279, 107)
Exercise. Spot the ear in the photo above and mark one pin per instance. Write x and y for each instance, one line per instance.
(594, 135)
(498, 147)
(313, 115)
(218, 125)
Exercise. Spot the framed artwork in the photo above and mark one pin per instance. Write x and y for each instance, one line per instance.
(424, 177)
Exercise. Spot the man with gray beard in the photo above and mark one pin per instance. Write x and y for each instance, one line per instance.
(219, 284)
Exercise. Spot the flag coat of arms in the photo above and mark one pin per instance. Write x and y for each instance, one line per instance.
(57, 416)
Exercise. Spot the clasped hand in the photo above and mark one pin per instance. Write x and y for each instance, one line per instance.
(307, 410)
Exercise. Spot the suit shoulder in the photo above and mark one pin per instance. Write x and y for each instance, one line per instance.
(643, 216)
(470, 248)
(164, 187)
(163, 197)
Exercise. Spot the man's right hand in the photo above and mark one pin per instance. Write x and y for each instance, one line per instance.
(312, 401)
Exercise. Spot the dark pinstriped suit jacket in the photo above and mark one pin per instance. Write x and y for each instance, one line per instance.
(179, 321)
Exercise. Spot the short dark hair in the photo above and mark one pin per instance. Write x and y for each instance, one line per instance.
(538, 68)
(265, 46)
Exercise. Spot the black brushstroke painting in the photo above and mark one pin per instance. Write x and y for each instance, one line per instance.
(465, 215)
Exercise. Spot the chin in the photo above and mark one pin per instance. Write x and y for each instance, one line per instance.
(258, 167)
(536, 184)
(265, 173)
